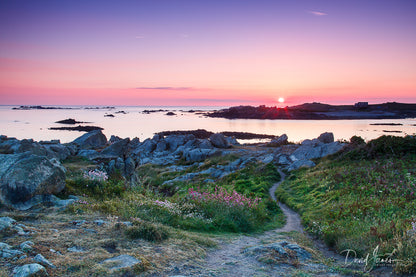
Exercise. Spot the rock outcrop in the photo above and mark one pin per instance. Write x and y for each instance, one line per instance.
(22, 176)
(91, 140)
(30, 171)
(219, 140)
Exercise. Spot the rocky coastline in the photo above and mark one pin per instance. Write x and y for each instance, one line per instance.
(319, 111)
(21, 158)
(32, 173)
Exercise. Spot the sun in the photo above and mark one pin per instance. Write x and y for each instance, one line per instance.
(281, 100)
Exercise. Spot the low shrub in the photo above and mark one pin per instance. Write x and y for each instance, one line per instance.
(96, 184)
(147, 231)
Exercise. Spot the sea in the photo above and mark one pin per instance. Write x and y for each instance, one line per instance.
(131, 121)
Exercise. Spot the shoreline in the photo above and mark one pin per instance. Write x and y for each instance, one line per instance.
(319, 111)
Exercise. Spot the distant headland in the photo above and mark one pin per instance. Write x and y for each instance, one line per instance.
(316, 111)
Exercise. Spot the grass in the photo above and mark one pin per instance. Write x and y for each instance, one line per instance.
(151, 202)
(170, 225)
(362, 199)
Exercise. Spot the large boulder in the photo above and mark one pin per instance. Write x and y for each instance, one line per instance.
(116, 149)
(58, 150)
(91, 140)
(281, 140)
(307, 152)
(198, 155)
(301, 164)
(326, 137)
(23, 176)
(29, 270)
(331, 148)
(174, 141)
(28, 145)
(219, 141)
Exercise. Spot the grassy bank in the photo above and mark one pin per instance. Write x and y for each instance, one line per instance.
(236, 203)
(362, 200)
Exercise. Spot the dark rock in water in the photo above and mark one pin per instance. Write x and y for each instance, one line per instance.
(91, 140)
(200, 133)
(22, 176)
(170, 113)
(77, 128)
(40, 108)
(219, 140)
(50, 142)
(153, 111)
(247, 135)
(387, 124)
(204, 134)
(109, 115)
(69, 121)
(390, 131)
(326, 137)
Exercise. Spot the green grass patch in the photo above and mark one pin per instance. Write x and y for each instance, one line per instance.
(147, 231)
(171, 204)
(361, 200)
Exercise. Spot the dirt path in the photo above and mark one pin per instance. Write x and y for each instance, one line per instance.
(229, 259)
(293, 222)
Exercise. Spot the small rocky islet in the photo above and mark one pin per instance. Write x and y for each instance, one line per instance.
(42, 161)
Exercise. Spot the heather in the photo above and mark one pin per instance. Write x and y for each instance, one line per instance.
(362, 199)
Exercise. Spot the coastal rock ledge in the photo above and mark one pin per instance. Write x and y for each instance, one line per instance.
(31, 172)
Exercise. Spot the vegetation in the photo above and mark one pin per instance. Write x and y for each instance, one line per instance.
(362, 200)
(147, 231)
(238, 202)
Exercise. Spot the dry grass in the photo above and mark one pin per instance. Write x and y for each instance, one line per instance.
(57, 231)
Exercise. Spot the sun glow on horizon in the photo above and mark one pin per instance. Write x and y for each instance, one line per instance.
(281, 100)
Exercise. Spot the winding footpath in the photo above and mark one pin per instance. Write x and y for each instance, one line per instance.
(293, 222)
(229, 259)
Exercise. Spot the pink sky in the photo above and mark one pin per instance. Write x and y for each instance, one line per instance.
(253, 52)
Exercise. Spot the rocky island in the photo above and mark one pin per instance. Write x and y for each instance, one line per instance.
(319, 111)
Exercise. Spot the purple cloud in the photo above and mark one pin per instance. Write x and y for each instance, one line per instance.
(317, 13)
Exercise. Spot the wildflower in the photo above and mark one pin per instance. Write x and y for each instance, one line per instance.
(96, 175)
(223, 196)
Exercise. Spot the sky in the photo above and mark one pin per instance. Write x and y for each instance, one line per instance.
(206, 53)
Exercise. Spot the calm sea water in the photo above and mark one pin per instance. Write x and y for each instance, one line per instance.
(35, 123)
